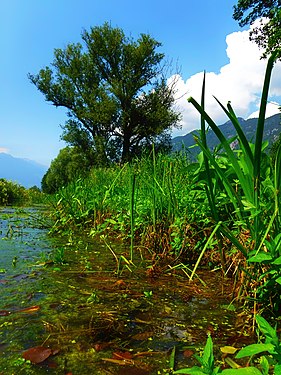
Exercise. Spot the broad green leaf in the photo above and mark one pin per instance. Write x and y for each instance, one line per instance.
(277, 369)
(172, 358)
(278, 280)
(266, 329)
(254, 349)
(242, 371)
(248, 205)
(231, 363)
(264, 365)
(260, 257)
(277, 261)
(193, 371)
(208, 357)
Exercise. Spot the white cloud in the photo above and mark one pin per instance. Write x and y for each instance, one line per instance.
(3, 150)
(240, 81)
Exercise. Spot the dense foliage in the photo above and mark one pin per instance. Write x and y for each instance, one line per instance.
(70, 164)
(223, 210)
(13, 193)
(115, 93)
(268, 33)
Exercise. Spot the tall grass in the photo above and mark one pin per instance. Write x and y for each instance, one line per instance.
(228, 200)
(149, 202)
(251, 185)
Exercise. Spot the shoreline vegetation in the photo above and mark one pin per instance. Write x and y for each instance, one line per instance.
(221, 213)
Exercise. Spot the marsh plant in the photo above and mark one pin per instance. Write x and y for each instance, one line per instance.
(242, 182)
(223, 210)
(270, 362)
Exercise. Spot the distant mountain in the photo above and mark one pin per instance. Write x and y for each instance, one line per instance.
(272, 129)
(25, 172)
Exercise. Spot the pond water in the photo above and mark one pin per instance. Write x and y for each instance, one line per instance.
(65, 310)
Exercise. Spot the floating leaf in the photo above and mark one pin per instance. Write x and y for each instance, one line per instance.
(228, 349)
(37, 354)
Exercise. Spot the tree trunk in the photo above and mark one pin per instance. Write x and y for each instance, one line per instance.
(126, 149)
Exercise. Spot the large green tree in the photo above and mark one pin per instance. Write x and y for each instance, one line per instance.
(114, 90)
(69, 165)
(267, 34)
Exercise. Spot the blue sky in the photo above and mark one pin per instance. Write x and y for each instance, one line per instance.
(196, 35)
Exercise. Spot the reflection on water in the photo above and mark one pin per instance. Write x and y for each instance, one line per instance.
(66, 297)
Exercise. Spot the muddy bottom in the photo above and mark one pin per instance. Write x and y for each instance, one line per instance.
(66, 307)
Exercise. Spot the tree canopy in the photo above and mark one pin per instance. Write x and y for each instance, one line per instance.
(69, 165)
(114, 90)
(267, 34)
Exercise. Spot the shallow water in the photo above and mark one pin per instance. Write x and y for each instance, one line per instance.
(64, 296)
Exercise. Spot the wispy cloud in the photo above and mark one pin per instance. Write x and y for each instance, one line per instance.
(3, 149)
(240, 81)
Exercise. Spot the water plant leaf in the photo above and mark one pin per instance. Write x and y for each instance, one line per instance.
(242, 371)
(267, 330)
(195, 370)
(172, 358)
(208, 357)
(278, 280)
(264, 365)
(37, 354)
(252, 349)
(260, 257)
(277, 261)
(277, 369)
(228, 349)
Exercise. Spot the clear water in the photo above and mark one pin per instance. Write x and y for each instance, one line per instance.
(64, 294)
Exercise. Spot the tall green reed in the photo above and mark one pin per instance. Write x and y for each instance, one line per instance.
(245, 177)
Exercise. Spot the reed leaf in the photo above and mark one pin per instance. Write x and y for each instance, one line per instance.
(248, 191)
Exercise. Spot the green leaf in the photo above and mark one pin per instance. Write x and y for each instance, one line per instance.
(260, 257)
(248, 205)
(228, 349)
(277, 261)
(242, 371)
(278, 280)
(208, 357)
(266, 329)
(264, 365)
(193, 371)
(254, 349)
(172, 358)
(277, 369)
